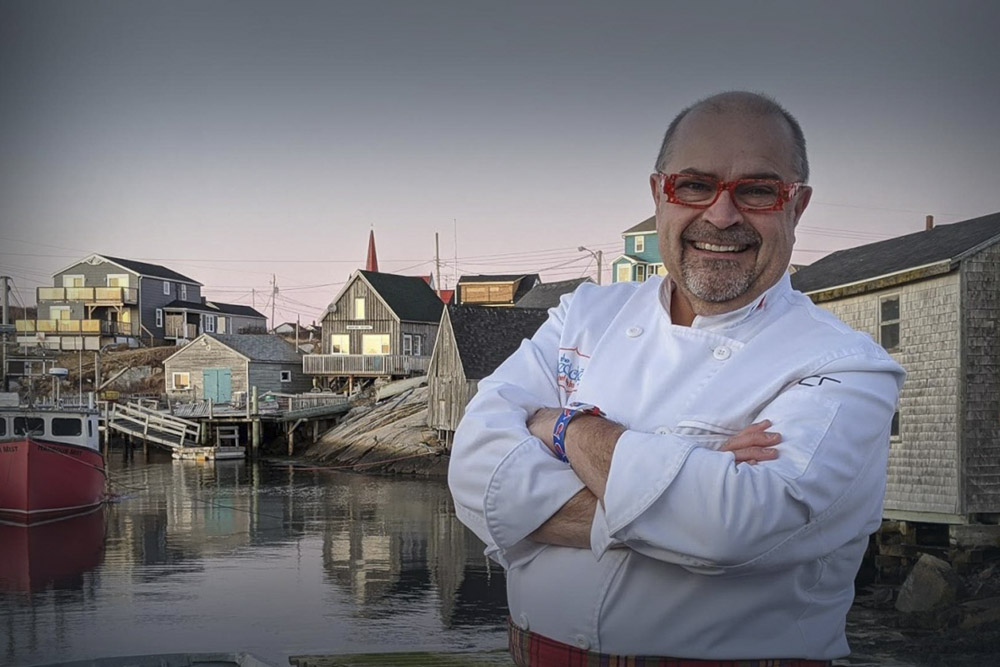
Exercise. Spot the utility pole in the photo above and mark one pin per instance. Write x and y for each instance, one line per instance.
(437, 264)
(596, 254)
(274, 293)
(3, 335)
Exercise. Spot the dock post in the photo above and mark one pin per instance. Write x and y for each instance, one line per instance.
(255, 438)
(315, 431)
(291, 439)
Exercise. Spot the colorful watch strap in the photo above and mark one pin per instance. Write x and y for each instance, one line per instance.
(562, 423)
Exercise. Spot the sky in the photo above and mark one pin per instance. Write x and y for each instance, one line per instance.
(245, 142)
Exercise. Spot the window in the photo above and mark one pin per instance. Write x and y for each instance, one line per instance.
(640, 272)
(888, 330)
(166, 287)
(220, 324)
(658, 269)
(32, 425)
(210, 323)
(359, 308)
(894, 429)
(640, 244)
(72, 281)
(181, 381)
(340, 344)
(118, 280)
(286, 376)
(184, 292)
(624, 273)
(375, 344)
(66, 426)
(407, 344)
(418, 345)
(3, 426)
(59, 312)
(159, 318)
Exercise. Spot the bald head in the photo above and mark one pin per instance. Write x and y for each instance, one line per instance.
(742, 102)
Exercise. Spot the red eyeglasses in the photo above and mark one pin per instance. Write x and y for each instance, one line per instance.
(748, 194)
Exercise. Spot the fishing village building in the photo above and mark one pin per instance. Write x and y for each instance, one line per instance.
(493, 290)
(641, 259)
(932, 299)
(102, 300)
(471, 343)
(379, 325)
(216, 367)
(547, 295)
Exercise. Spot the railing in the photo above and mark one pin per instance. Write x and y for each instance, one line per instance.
(181, 330)
(101, 327)
(94, 295)
(364, 364)
(157, 426)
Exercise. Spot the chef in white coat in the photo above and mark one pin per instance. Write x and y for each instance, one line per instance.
(687, 468)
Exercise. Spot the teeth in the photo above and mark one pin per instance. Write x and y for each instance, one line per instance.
(716, 248)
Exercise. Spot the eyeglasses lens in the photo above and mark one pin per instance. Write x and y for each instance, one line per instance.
(750, 194)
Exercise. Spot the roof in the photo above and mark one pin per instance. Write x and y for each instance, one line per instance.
(409, 297)
(447, 295)
(942, 243)
(151, 270)
(546, 295)
(214, 307)
(647, 225)
(486, 336)
(259, 347)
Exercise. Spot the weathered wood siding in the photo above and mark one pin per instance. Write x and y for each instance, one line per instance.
(981, 377)
(484, 294)
(267, 377)
(194, 358)
(924, 462)
(377, 316)
(448, 391)
(426, 330)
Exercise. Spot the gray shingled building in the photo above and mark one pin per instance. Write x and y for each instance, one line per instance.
(933, 300)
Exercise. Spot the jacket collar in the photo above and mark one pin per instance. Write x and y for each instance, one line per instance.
(748, 313)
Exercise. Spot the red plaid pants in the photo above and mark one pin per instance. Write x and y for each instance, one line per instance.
(529, 649)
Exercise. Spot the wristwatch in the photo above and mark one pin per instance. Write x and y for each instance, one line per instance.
(562, 423)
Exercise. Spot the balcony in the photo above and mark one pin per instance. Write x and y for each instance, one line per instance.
(82, 327)
(181, 330)
(364, 364)
(96, 296)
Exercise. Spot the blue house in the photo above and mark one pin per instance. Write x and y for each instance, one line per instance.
(642, 255)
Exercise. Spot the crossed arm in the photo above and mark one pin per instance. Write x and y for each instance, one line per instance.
(590, 443)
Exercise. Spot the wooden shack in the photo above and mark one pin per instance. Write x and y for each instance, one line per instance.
(471, 343)
(932, 299)
(216, 366)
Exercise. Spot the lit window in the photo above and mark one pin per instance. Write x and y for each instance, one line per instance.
(623, 273)
(286, 376)
(375, 344)
(181, 381)
(888, 330)
(359, 308)
(640, 244)
(340, 344)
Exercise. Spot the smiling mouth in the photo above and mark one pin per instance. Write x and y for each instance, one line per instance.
(711, 247)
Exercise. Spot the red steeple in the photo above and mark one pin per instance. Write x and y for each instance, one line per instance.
(371, 264)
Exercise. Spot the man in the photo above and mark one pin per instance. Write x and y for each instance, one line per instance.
(718, 506)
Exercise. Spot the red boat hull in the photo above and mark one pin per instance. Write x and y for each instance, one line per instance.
(41, 480)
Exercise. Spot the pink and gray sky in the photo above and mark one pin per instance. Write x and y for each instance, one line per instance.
(233, 140)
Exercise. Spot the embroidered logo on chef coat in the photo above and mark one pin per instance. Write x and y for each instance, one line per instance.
(572, 364)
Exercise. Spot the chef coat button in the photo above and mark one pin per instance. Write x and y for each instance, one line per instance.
(581, 642)
(722, 353)
(633, 332)
(662, 430)
(523, 622)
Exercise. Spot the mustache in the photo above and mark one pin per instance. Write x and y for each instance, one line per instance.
(704, 232)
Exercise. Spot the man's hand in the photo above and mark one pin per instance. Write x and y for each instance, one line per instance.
(542, 423)
(753, 443)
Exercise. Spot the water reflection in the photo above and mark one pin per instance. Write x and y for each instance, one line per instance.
(55, 554)
(267, 557)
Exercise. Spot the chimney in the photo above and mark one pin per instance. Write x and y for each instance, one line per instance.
(929, 225)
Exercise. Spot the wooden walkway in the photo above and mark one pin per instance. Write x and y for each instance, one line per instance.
(139, 421)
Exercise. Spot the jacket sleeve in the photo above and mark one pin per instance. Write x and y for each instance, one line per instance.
(505, 482)
(699, 510)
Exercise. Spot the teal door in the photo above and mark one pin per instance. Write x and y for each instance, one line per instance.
(218, 385)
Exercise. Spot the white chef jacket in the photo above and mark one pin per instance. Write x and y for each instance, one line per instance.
(720, 561)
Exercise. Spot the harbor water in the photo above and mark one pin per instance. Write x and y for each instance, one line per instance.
(277, 559)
